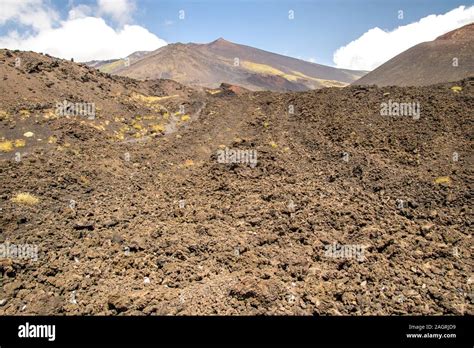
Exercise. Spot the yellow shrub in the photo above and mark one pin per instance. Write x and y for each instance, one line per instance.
(157, 128)
(442, 180)
(6, 146)
(20, 143)
(185, 118)
(25, 198)
(84, 180)
(24, 113)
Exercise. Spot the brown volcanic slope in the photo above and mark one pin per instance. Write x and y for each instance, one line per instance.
(153, 224)
(125, 109)
(209, 65)
(429, 62)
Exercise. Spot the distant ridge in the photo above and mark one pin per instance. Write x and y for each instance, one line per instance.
(222, 61)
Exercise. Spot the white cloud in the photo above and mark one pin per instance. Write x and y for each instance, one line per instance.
(80, 11)
(31, 13)
(80, 36)
(377, 46)
(87, 39)
(119, 10)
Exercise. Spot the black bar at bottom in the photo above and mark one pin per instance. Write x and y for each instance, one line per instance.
(168, 331)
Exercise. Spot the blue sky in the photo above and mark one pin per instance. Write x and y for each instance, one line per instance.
(318, 30)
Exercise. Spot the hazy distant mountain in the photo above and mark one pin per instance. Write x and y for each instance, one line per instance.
(429, 62)
(112, 64)
(209, 65)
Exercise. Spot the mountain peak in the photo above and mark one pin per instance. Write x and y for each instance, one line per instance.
(220, 41)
